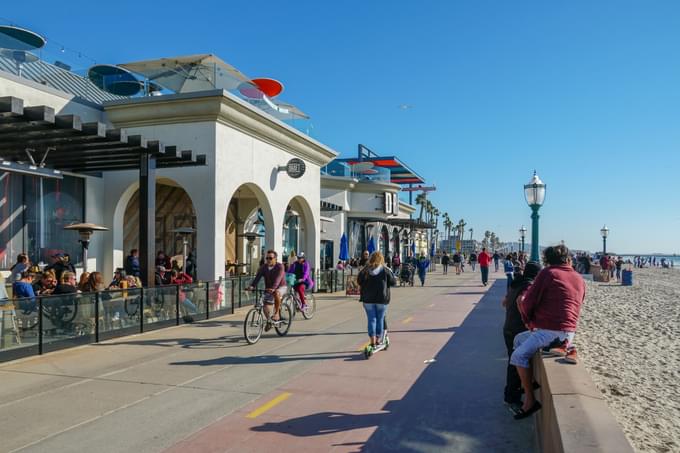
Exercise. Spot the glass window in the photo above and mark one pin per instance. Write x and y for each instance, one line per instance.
(11, 218)
(34, 212)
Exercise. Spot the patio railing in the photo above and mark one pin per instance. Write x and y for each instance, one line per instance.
(32, 326)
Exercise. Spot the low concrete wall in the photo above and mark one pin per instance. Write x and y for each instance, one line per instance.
(575, 416)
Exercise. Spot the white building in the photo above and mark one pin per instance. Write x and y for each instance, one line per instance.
(240, 201)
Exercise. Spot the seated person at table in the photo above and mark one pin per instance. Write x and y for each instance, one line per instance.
(46, 284)
(119, 279)
(67, 284)
(23, 290)
(550, 309)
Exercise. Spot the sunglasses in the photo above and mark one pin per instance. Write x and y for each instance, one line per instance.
(269, 258)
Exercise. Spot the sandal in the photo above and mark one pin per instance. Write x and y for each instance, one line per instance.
(524, 414)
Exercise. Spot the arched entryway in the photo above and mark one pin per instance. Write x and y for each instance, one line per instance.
(298, 230)
(384, 242)
(174, 209)
(249, 228)
(396, 241)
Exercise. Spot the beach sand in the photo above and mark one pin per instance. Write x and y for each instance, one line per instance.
(629, 340)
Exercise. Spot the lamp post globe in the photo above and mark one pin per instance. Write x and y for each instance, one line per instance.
(522, 235)
(604, 231)
(534, 191)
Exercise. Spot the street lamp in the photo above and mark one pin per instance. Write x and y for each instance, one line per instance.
(185, 232)
(85, 231)
(522, 235)
(534, 191)
(604, 232)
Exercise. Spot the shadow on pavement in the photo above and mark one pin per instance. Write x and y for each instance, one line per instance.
(455, 405)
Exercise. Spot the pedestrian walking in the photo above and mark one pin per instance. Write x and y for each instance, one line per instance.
(445, 262)
(473, 261)
(509, 268)
(484, 260)
(423, 264)
(496, 258)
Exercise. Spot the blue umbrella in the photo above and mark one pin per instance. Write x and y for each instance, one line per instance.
(344, 248)
(371, 245)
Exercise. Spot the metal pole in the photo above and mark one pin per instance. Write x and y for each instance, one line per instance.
(604, 245)
(184, 253)
(535, 252)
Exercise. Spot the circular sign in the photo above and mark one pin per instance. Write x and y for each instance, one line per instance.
(295, 168)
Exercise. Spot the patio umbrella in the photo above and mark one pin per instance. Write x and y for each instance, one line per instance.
(371, 245)
(344, 248)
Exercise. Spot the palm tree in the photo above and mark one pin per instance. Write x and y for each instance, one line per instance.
(429, 208)
(448, 224)
(492, 240)
(487, 235)
(420, 200)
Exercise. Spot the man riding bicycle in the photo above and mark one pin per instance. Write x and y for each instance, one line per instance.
(303, 280)
(275, 285)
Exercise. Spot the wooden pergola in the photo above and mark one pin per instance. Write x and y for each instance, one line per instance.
(34, 140)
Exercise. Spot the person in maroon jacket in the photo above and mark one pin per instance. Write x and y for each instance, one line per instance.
(550, 309)
(274, 283)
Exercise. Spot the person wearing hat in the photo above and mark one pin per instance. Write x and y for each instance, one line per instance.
(303, 281)
(514, 325)
(60, 265)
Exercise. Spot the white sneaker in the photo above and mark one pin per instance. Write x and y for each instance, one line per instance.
(116, 317)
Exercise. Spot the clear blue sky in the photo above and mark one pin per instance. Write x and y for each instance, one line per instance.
(587, 93)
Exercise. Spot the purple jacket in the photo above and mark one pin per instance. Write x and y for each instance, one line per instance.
(301, 274)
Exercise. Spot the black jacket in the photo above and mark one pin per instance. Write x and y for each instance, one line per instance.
(375, 289)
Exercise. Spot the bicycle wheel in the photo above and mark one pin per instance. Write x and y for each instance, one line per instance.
(286, 315)
(253, 325)
(290, 301)
(131, 306)
(310, 308)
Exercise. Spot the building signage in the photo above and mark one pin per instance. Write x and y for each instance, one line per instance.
(388, 203)
(295, 168)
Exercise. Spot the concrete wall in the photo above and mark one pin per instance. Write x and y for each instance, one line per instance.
(574, 416)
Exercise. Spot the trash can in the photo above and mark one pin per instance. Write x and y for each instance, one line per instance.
(627, 277)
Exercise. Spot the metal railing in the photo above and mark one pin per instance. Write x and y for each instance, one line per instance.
(31, 326)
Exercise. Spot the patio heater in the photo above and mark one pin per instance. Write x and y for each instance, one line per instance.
(85, 231)
(185, 232)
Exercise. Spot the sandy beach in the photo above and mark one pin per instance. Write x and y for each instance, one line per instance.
(628, 339)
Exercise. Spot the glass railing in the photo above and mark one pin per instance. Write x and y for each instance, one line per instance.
(32, 326)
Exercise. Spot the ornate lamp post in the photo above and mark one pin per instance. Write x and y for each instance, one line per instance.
(85, 230)
(522, 235)
(604, 232)
(534, 191)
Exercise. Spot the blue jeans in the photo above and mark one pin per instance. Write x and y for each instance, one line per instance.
(376, 318)
(527, 343)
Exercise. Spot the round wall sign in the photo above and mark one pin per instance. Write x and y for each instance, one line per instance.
(295, 168)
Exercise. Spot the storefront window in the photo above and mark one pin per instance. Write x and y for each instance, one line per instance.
(34, 213)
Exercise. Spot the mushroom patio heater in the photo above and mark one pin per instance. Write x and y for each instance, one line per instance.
(85, 230)
(604, 232)
(522, 236)
(534, 191)
(185, 232)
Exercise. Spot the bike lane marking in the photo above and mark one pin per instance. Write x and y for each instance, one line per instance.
(407, 320)
(270, 404)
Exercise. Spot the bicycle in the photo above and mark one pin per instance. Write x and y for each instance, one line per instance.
(310, 303)
(256, 319)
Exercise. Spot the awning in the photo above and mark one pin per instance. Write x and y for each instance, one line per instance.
(34, 138)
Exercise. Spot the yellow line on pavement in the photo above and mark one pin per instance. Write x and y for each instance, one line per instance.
(363, 346)
(430, 306)
(407, 320)
(266, 406)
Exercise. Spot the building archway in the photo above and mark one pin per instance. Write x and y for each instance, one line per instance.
(384, 242)
(174, 209)
(396, 241)
(299, 230)
(249, 229)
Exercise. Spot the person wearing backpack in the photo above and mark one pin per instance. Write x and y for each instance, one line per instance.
(375, 280)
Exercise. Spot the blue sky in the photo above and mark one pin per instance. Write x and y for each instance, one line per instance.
(587, 93)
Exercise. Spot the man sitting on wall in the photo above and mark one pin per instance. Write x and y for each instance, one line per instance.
(550, 309)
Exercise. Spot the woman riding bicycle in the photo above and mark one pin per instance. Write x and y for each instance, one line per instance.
(303, 281)
(275, 284)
